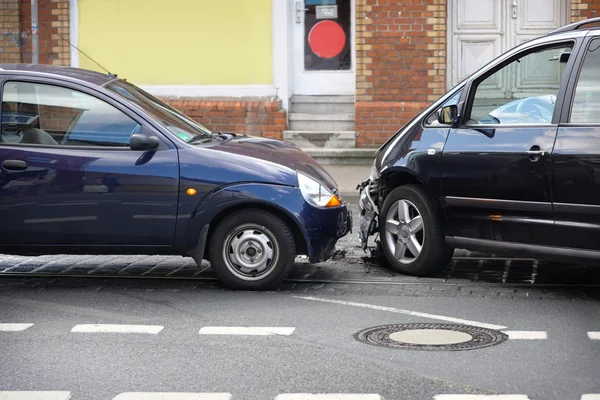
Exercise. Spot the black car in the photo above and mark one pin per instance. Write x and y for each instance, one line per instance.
(506, 162)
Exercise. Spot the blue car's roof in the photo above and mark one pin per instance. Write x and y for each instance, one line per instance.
(92, 77)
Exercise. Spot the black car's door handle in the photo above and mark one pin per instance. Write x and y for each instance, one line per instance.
(535, 153)
(15, 165)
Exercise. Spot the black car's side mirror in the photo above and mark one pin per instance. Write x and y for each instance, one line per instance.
(137, 141)
(448, 115)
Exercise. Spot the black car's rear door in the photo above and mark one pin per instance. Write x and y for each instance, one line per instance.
(576, 156)
(496, 165)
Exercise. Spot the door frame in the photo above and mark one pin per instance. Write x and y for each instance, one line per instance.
(283, 49)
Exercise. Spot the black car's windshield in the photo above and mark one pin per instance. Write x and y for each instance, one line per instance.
(179, 124)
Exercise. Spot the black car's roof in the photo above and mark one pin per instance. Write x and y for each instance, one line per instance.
(92, 77)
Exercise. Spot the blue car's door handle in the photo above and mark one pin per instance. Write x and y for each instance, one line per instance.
(15, 165)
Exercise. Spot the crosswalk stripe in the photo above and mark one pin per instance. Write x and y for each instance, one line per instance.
(115, 328)
(34, 395)
(14, 327)
(246, 330)
(172, 396)
(594, 335)
(527, 335)
(328, 396)
(590, 396)
(481, 397)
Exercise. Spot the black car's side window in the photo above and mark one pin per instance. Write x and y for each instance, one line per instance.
(521, 92)
(586, 103)
(52, 115)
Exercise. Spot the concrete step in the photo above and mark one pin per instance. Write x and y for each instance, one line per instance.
(323, 108)
(321, 122)
(317, 139)
(322, 104)
(321, 99)
(338, 156)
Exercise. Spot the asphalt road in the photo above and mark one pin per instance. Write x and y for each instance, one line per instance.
(85, 327)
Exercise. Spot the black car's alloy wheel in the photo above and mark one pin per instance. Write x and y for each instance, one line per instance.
(411, 232)
(252, 250)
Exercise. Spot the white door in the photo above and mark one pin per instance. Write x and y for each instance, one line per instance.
(531, 19)
(481, 30)
(323, 47)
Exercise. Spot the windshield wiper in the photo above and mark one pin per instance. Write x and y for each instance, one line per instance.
(201, 137)
(206, 135)
(222, 135)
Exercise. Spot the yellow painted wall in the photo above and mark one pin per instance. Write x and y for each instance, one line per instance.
(179, 42)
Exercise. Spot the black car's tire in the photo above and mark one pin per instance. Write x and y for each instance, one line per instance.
(242, 245)
(434, 254)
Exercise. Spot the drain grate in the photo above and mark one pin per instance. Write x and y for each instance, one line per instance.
(444, 337)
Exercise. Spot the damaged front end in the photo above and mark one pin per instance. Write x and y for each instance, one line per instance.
(368, 210)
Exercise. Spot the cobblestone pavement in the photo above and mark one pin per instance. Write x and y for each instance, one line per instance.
(469, 274)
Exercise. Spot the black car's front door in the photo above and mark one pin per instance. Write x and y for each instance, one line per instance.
(576, 157)
(496, 165)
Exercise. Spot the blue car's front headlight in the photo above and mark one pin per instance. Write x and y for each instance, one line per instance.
(315, 193)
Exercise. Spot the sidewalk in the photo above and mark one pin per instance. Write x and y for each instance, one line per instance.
(348, 177)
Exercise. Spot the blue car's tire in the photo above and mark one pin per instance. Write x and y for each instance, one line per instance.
(252, 249)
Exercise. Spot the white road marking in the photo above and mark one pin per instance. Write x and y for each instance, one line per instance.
(590, 397)
(172, 396)
(527, 335)
(326, 396)
(14, 327)
(481, 397)
(110, 328)
(407, 312)
(594, 335)
(35, 395)
(246, 330)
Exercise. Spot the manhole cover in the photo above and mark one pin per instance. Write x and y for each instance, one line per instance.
(431, 337)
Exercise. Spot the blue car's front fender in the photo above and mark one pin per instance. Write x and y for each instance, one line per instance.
(319, 228)
(287, 200)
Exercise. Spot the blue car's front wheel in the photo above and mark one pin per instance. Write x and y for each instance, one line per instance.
(252, 250)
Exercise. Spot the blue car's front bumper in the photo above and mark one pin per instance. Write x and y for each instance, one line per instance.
(333, 224)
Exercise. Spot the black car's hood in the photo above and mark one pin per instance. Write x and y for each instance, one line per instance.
(278, 152)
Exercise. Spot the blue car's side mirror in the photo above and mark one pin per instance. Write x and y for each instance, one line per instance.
(137, 141)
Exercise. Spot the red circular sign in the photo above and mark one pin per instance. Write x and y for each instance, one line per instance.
(327, 39)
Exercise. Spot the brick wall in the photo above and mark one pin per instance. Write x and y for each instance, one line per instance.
(584, 9)
(54, 14)
(250, 116)
(10, 28)
(401, 63)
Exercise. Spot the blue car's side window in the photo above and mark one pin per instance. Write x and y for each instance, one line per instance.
(51, 115)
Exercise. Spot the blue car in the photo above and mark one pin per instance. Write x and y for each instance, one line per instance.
(92, 164)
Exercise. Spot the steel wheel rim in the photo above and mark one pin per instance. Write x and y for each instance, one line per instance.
(251, 252)
(404, 231)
